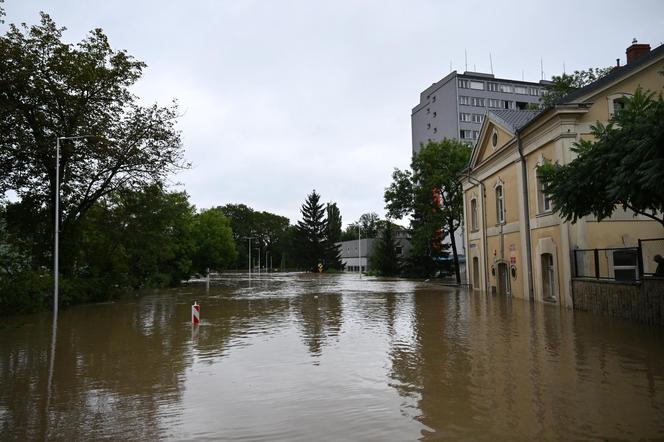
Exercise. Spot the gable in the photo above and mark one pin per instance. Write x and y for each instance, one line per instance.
(484, 147)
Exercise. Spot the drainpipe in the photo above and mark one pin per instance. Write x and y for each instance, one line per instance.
(473, 180)
(526, 209)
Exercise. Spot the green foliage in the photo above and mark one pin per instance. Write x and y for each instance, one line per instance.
(370, 225)
(384, 258)
(51, 89)
(311, 232)
(566, 83)
(312, 241)
(267, 230)
(213, 237)
(332, 237)
(431, 195)
(623, 165)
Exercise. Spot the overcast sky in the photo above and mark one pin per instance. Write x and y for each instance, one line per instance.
(282, 97)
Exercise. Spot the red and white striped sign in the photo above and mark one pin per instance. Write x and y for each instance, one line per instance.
(196, 313)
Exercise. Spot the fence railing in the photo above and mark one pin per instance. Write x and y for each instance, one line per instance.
(620, 263)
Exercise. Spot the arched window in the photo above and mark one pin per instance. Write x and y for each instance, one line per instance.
(500, 205)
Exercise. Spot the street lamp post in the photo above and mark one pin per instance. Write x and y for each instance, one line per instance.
(249, 238)
(56, 252)
(259, 261)
(359, 248)
(266, 267)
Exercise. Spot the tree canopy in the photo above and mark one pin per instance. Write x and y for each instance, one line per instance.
(563, 84)
(51, 89)
(622, 166)
(431, 195)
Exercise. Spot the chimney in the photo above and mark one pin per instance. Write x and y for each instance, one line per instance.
(636, 51)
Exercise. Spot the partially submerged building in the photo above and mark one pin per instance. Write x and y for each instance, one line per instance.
(516, 244)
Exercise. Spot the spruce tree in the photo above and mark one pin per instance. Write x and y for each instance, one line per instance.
(311, 232)
(333, 236)
(384, 258)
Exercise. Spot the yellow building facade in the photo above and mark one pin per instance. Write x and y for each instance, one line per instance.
(516, 245)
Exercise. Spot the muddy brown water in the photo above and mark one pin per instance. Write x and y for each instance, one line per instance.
(328, 357)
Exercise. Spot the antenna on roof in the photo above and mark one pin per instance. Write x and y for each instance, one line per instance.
(474, 68)
(564, 71)
(542, 68)
(490, 63)
(450, 65)
(522, 75)
(465, 53)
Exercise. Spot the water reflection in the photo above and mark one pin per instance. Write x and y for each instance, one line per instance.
(302, 357)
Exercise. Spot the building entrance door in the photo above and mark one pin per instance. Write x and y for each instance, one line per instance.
(503, 279)
(476, 273)
(548, 278)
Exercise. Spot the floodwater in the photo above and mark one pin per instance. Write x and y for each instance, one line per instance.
(328, 357)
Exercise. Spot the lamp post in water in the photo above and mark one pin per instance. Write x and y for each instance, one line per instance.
(359, 248)
(249, 238)
(56, 247)
(266, 267)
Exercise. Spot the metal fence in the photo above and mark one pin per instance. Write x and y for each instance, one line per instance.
(621, 263)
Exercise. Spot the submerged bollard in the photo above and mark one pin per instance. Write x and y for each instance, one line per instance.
(195, 313)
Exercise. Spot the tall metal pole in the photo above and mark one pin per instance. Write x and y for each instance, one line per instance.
(359, 248)
(250, 257)
(266, 267)
(259, 261)
(56, 260)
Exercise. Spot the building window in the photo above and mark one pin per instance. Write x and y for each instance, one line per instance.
(464, 100)
(625, 265)
(477, 85)
(435, 130)
(477, 118)
(542, 197)
(465, 117)
(476, 134)
(534, 91)
(399, 250)
(428, 125)
(493, 87)
(473, 215)
(498, 104)
(428, 110)
(506, 88)
(464, 84)
(465, 134)
(521, 90)
(500, 205)
(494, 139)
(477, 101)
(434, 114)
(434, 99)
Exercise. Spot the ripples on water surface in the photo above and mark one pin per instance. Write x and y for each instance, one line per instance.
(329, 357)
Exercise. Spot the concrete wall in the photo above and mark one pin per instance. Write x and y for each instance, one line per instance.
(642, 302)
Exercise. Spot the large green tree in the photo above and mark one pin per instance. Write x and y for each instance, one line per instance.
(430, 193)
(49, 89)
(384, 257)
(622, 166)
(213, 239)
(333, 236)
(563, 84)
(268, 231)
(311, 236)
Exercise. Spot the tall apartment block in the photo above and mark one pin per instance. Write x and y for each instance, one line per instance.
(455, 106)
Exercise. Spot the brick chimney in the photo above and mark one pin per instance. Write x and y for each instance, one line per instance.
(636, 51)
